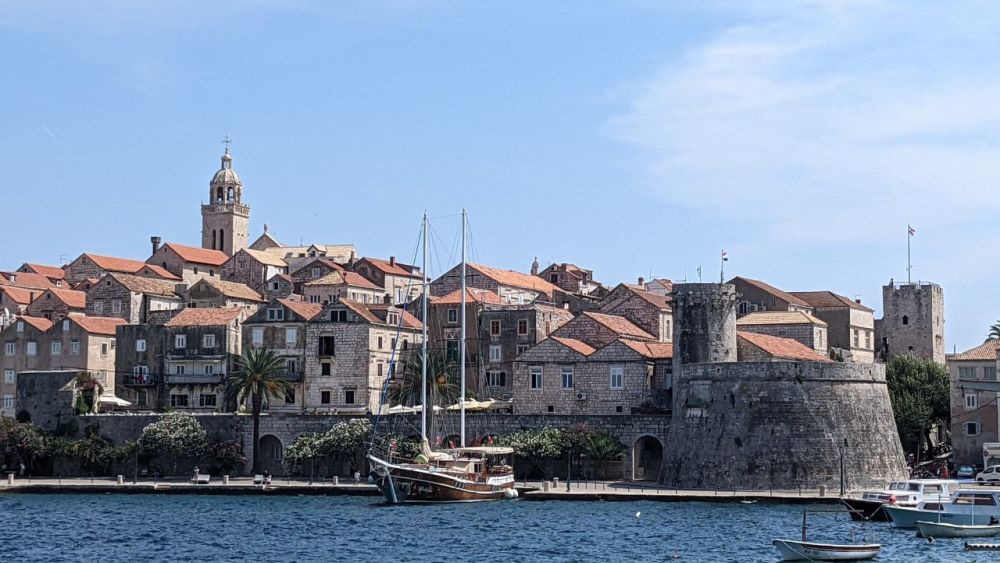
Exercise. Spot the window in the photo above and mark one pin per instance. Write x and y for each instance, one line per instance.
(178, 400)
(325, 368)
(868, 339)
(8, 376)
(315, 272)
(495, 327)
(535, 377)
(378, 369)
(522, 326)
(314, 298)
(140, 398)
(392, 343)
(74, 347)
(32, 349)
(339, 316)
(208, 341)
(906, 320)
(971, 401)
(379, 343)
(324, 397)
(291, 335)
(116, 306)
(20, 326)
(348, 396)
(8, 348)
(104, 349)
(141, 374)
(617, 376)
(56, 347)
(971, 428)
(327, 346)
(180, 341)
(196, 270)
(65, 325)
(567, 377)
(990, 373)
(179, 370)
(207, 400)
(257, 336)
(451, 350)
(856, 340)
(522, 348)
(276, 314)
(291, 366)
(8, 401)
(967, 373)
(496, 379)
(290, 397)
(554, 278)
(452, 316)
(209, 369)
(140, 345)
(99, 306)
(495, 352)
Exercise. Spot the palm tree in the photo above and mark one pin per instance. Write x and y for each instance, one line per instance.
(259, 377)
(443, 387)
(994, 331)
(602, 448)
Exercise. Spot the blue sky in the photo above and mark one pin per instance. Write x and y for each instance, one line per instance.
(632, 138)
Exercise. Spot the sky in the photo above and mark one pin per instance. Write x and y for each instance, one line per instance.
(633, 138)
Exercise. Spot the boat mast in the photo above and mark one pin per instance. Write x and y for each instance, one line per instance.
(461, 350)
(423, 344)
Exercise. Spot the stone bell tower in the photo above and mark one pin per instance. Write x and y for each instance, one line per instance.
(225, 220)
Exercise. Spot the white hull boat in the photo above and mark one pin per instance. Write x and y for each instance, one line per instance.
(966, 508)
(792, 550)
(943, 530)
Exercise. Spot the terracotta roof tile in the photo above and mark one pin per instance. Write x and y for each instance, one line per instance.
(778, 318)
(198, 255)
(472, 295)
(767, 288)
(650, 350)
(342, 277)
(112, 264)
(619, 325)
(829, 300)
(81, 283)
(71, 297)
(139, 284)
(157, 271)
(661, 301)
(782, 348)
(99, 325)
(577, 346)
(321, 260)
(381, 310)
(986, 351)
(305, 310)
(232, 289)
(37, 322)
(515, 279)
(20, 295)
(266, 258)
(26, 280)
(218, 316)
(396, 269)
(54, 272)
(361, 310)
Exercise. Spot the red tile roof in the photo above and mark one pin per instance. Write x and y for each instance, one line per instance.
(139, 284)
(218, 316)
(783, 295)
(512, 278)
(265, 258)
(987, 351)
(472, 295)
(99, 325)
(321, 260)
(198, 255)
(26, 280)
(381, 310)
(112, 264)
(54, 272)
(344, 278)
(72, 298)
(232, 289)
(577, 346)
(661, 301)
(361, 310)
(651, 350)
(387, 267)
(305, 310)
(37, 322)
(158, 271)
(782, 348)
(778, 318)
(619, 325)
(20, 295)
(829, 300)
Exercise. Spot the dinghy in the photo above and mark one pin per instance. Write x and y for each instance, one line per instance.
(808, 551)
(945, 530)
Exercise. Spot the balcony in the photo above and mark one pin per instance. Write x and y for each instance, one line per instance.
(139, 380)
(293, 376)
(194, 378)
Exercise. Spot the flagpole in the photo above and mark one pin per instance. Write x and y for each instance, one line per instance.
(909, 265)
(722, 267)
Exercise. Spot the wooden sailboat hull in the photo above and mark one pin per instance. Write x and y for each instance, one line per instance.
(422, 484)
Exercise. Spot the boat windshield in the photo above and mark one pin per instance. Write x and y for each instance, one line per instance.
(903, 486)
(979, 499)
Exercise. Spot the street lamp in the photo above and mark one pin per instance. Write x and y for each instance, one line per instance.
(842, 447)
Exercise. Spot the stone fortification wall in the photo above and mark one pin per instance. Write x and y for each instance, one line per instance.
(704, 323)
(759, 425)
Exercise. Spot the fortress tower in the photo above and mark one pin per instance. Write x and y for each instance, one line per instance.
(912, 321)
(225, 220)
(704, 323)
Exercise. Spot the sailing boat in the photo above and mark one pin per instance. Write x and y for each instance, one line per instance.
(458, 474)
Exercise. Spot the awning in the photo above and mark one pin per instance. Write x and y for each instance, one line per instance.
(113, 400)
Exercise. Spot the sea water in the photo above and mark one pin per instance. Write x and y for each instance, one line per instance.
(248, 528)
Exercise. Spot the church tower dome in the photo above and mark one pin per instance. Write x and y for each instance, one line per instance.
(225, 219)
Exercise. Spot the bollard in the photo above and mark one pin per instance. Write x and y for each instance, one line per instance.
(121, 479)
(10, 478)
(225, 479)
(335, 480)
(822, 490)
(555, 482)
(545, 486)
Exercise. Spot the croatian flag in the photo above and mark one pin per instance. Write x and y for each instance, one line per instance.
(725, 256)
(911, 230)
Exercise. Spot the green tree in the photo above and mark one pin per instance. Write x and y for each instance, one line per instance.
(443, 387)
(176, 436)
(92, 452)
(994, 331)
(259, 379)
(88, 391)
(22, 440)
(227, 455)
(919, 391)
(602, 448)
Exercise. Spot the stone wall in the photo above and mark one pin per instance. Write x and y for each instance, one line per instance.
(912, 321)
(704, 323)
(753, 425)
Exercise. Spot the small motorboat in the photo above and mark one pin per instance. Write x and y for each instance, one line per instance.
(945, 530)
(982, 546)
(792, 550)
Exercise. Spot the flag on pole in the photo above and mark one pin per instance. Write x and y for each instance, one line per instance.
(911, 230)
(725, 256)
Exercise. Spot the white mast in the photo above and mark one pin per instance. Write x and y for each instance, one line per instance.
(423, 344)
(461, 346)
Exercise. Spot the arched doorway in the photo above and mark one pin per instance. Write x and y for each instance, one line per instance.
(647, 456)
(271, 455)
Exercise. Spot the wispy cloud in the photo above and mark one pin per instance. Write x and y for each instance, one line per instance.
(52, 136)
(829, 121)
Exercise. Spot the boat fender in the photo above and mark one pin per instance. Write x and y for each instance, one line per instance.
(510, 494)
(892, 499)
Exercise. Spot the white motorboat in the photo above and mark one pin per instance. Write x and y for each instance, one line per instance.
(910, 492)
(792, 550)
(942, 530)
(966, 508)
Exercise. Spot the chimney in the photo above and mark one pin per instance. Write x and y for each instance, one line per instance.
(642, 281)
(156, 243)
(387, 299)
(392, 260)
(857, 300)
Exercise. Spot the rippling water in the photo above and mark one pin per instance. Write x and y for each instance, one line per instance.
(219, 528)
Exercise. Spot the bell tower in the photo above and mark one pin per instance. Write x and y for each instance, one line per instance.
(225, 220)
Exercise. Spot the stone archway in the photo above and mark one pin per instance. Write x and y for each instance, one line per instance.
(647, 458)
(272, 454)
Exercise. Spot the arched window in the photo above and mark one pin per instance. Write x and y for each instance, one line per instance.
(229, 195)
(906, 320)
(213, 240)
(218, 195)
(222, 239)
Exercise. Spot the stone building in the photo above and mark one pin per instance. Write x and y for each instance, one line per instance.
(211, 293)
(201, 348)
(280, 326)
(763, 347)
(647, 310)
(225, 219)
(280, 286)
(297, 256)
(403, 282)
(659, 286)
(912, 321)
(253, 268)
(189, 263)
(510, 286)
(54, 304)
(570, 278)
(132, 298)
(53, 273)
(26, 280)
(796, 325)
(139, 357)
(444, 328)
(975, 436)
(14, 301)
(504, 332)
(598, 329)
(89, 266)
(21, 352)
(312, 270)
(755, 295)
(850, 325)
(349, 347)
(342, 285)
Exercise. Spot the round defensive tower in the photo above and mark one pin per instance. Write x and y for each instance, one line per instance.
(704, 323)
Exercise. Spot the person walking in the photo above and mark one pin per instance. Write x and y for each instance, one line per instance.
(357, 477)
